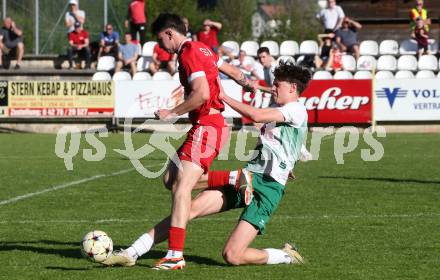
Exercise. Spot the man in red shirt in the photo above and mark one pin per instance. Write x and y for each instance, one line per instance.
(79, 44)
(162, 60)
(136, 20)
(208, 35)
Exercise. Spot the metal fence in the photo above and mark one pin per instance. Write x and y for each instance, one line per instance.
(43, 21)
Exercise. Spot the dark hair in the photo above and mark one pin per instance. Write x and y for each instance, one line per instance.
(287, 71)
(167, 20)
(262, 50)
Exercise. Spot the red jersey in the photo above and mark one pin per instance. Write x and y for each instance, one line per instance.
(162, 54)
(137, 12)
(196, 60)
(78, 38)
(210, 38)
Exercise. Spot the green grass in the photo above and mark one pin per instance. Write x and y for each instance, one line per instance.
(360, 220)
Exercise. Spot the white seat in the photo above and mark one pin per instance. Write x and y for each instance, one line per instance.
(366, 62)
(384, 75)
(428, 62)
(106, 63)
(232, 46)
(369, 47)
(389, 47)
(161, 76)
(141, 76)
(438, 75)
(148, 47)
(285, 58)
(348, 63)
(407, 62)
(101, 76)
(273, 47)
(343, 75)
(176, 76)
(408, 47)
(322, 4)
(289, 48)
(387, 62)
(404, 74)
(121, 76)
(250, 47)
(432, 46)
(309, 47)
(425, 74)
(363, 75)
(143, 63)
(322, 75)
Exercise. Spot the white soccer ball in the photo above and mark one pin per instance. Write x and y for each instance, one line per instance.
(96, 246)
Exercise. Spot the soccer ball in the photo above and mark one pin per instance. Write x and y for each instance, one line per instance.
(96, 246)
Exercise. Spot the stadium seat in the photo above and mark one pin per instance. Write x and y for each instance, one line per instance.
(348, 63)
(369, 47)
(438, 75)
(408, 47)
(309, 47)
(389, 47)
(363, 75)
(106, 63)
(387, 62)
(285, 58)
(322, 4)
(384, 75)
(176, 76)
(232, 46)
(289, 48)
(161, 76)
(122, 76)
(250, 47)
(428, 62)
(366, 62)
(322, 75)
(425, 74)
(432, 46)
(407, 62)
(147, 49)
(101, 76)
(142, 76)
(343, 75)
(273, 47)
(143, 63)
(404, 74)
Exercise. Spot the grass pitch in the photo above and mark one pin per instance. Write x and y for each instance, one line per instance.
(360, 220)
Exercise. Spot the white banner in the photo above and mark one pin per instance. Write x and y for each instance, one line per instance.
(407, 100)
(140, 99)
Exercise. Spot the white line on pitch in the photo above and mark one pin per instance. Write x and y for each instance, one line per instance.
(66, 185)
(279, 217)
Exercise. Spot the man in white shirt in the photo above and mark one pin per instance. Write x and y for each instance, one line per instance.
(331, 17)
(74, 14)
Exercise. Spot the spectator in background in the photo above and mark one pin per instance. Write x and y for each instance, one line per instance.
(74, 15)
(136, 20)
(269, 64)
(420, 34)
(189, 33)
(326, 47)
(331, 17)
(109, 42)
(128, 55)
(209, 34)
(346, 37)
(11, 40)
(163, 60)
(249, 67)
(79, 44)
(419, 12)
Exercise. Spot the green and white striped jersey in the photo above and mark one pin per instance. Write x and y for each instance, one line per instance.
(279, 144)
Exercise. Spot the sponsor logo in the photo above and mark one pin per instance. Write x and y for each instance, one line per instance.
(331, 99)
(391, 94)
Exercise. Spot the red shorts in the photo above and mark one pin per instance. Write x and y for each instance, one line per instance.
(204, 141)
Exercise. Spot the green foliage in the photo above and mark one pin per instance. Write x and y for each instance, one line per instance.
(236, 18)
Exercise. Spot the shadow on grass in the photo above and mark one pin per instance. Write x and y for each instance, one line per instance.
(75, 253)
(390, 180)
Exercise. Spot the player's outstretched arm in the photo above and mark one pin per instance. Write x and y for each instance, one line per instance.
(236, 74)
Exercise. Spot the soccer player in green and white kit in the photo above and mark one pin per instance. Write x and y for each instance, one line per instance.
(258, 187)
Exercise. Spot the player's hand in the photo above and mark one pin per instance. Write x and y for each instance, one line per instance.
(163, 114)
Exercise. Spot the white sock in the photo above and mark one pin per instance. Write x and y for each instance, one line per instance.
(140, 246)
(174, 254)
(233, 177)
(277, 256)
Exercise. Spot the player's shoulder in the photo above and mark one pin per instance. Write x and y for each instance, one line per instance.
(294, 108)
